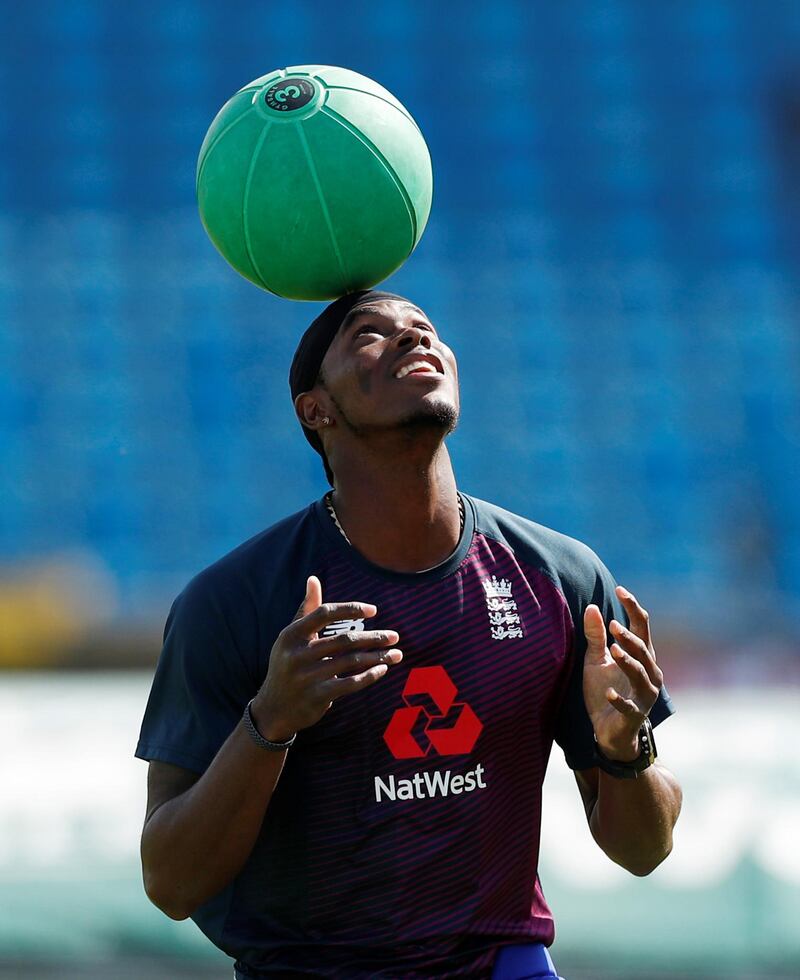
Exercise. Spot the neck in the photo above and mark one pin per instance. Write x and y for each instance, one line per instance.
(402, 515)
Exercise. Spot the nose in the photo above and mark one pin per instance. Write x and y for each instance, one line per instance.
(412, 337)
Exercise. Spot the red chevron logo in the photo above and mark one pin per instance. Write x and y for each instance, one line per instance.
(431, 718)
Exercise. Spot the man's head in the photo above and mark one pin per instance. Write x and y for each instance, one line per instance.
(372, 364)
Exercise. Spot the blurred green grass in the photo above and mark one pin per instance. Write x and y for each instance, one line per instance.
(725, 904)
(169, 969)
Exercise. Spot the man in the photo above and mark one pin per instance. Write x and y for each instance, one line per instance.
(353, 788)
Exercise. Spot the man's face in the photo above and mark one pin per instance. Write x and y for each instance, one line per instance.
(387, 368)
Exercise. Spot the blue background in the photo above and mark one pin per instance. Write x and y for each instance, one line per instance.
(612, 254)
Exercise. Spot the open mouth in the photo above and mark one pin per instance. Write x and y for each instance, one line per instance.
(429, 364)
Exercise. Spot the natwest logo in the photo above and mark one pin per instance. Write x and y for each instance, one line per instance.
(432, 718)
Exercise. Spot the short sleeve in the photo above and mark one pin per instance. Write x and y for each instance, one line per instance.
(202, 682)
(574, 731)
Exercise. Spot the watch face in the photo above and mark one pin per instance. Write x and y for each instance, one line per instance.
(647, 742)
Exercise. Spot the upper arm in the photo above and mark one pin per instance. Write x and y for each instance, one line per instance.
(165, 782)
(203, 680)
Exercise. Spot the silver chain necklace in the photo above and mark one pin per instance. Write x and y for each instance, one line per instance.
(332, 512)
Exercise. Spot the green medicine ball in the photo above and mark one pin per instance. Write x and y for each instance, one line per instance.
(313, 182)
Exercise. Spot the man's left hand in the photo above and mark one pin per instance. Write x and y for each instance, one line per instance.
(620, 683)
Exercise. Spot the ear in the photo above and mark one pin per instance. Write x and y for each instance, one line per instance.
(311, 408)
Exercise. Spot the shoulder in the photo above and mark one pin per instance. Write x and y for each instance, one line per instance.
(572, 565)
(257, 566)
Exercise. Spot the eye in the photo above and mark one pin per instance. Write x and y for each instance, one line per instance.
(366, 328)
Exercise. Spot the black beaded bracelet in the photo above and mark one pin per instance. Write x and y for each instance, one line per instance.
(258, 738)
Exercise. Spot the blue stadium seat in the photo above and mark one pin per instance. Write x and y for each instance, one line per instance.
(611, 255)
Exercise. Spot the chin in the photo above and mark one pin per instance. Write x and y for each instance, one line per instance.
(437, 415)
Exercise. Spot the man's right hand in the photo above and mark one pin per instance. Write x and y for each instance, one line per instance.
(307, 674)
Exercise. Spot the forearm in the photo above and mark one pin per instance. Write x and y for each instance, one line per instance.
(632, 819)
(195, 844)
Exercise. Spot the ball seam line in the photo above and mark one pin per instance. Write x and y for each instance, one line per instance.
(361, 91)
(323, 204)
(245, 222)
(215, 141)
(412, 214)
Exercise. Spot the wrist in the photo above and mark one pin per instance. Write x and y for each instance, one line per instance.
(621, 750)
(269, 725)
(621, 766)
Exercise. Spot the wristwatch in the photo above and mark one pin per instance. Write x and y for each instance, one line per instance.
(630, 770)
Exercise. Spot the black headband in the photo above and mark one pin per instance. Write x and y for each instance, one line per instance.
(314, 345)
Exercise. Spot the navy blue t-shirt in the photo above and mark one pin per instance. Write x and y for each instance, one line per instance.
(402, 839)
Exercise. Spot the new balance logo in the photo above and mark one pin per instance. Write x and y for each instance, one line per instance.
(343, 626)
(504, 620)
(431, 718)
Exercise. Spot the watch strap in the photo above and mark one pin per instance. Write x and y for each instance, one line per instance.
(630, 770)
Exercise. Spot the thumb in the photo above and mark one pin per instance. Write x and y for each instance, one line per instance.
(312, 599)
(595, 630)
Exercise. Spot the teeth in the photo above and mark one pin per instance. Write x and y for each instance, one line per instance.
(415, 366)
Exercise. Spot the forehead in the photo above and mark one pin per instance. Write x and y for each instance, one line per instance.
(392, 309)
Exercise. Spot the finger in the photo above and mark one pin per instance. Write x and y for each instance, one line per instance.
(332, 646)
(595, 630)
(638, 649)
(623, 705)
(353, 663)
(639, 617)
(338, 687)
(331, 612)
(311, 599)
(635, 672)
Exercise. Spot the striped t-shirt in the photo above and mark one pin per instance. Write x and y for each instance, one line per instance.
(402, 839)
